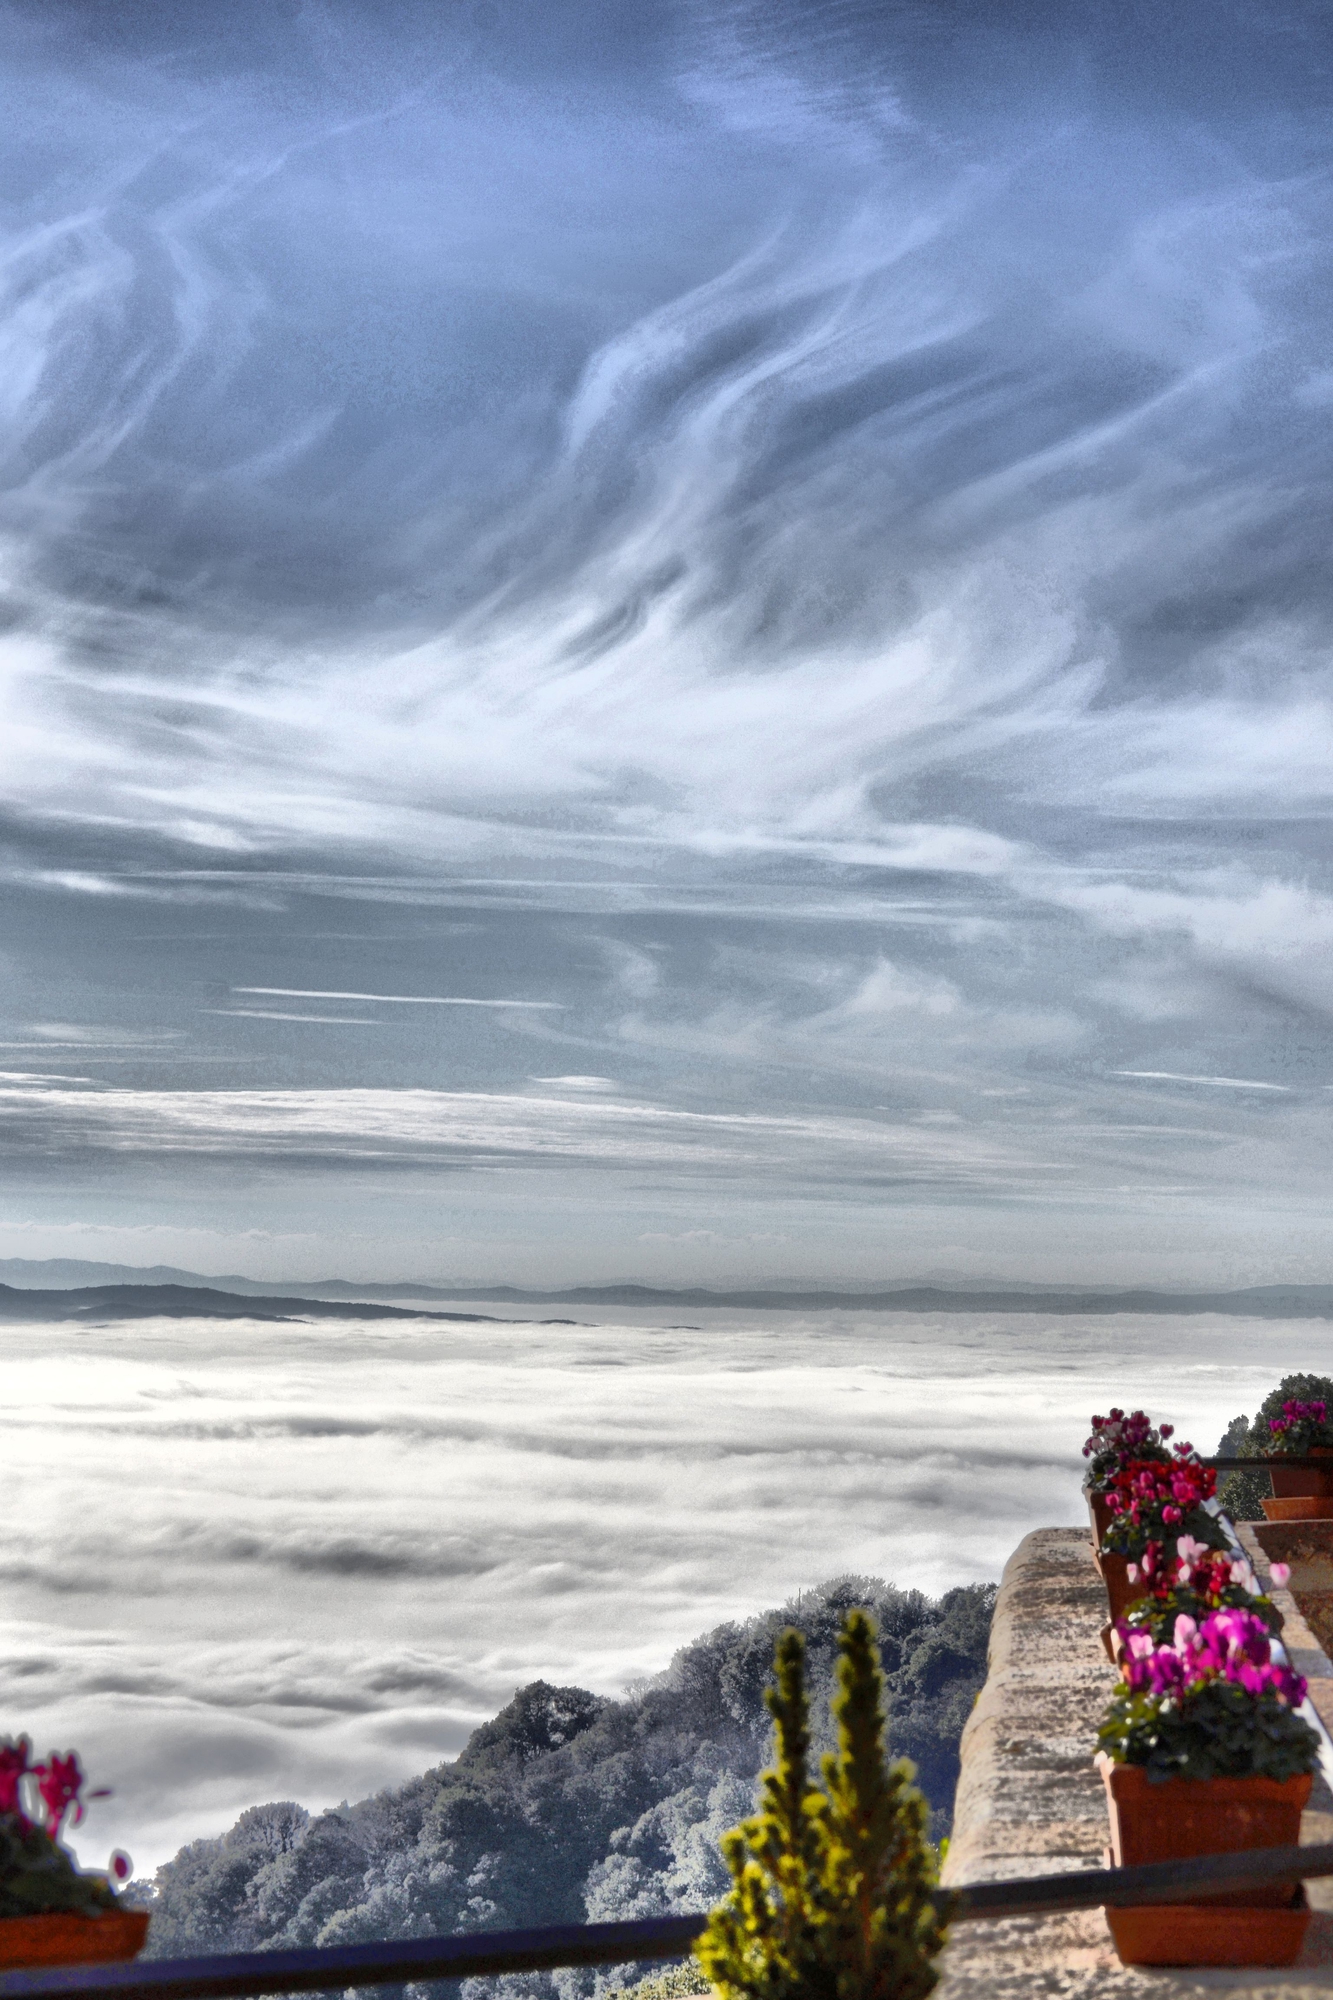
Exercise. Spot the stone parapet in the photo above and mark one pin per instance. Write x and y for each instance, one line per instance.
(1029, 1801)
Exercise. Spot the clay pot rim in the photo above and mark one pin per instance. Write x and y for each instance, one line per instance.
(1136, 1775)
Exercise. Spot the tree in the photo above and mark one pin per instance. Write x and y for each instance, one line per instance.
(834, 1894)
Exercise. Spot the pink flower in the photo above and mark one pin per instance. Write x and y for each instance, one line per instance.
(1186, 1631)
(1280, 1573)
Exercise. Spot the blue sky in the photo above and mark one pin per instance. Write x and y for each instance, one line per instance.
(680, 641)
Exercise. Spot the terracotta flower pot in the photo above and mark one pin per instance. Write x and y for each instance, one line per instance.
(1120, 1592)
(1299, 1507)
(1192, 1934)
(1290, 1481)
(65, 1937)
(1183, 1817)
(1101, 1517)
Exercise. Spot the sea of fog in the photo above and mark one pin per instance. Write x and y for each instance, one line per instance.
(248, 1561)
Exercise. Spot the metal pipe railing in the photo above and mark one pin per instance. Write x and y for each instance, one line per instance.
(1323, 1463)
(243, 1975)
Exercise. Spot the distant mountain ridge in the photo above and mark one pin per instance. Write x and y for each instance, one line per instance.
(107, 1302)
(24, 1280)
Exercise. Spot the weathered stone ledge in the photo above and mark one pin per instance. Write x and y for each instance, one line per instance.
(1030, 1802)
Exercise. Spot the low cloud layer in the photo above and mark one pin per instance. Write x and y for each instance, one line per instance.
(252, 1561)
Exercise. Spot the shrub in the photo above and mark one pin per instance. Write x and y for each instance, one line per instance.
(834, 1894)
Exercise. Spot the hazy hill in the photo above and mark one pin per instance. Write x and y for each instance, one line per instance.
(104, 1302)
(1254, 1301)
(569, 1808)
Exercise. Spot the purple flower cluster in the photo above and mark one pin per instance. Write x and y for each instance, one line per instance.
(1231, 1645)
(1296, 1413)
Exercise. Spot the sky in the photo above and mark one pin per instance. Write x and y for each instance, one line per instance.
(683, 642)
(251, 1562)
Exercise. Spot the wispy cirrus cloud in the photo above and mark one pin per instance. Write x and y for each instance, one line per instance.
(1220, 1082)
(389, 999)
(818, 510)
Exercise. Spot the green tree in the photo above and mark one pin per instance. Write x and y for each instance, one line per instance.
(834, 1894)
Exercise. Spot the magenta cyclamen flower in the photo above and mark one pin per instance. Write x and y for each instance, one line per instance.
(1296, 1413)
(60, 1780)
(1228, 1645)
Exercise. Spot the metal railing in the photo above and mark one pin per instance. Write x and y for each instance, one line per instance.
(481, 1953)
(1323, 1463)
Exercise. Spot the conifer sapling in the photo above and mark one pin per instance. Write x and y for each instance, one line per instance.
(834, 1894)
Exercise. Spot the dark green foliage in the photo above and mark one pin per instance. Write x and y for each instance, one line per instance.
(209, 1900)
(38, 1876)
(1216, 1730)
(834, 1894)
(1242, 1492)
(567, 1807)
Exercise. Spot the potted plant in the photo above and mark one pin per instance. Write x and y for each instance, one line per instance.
(1300, 1493)
(1152, 1503)
(1195, 1583)
(51, 1912)
(834, 1893)
(1203, 1752)
(1113, 1439)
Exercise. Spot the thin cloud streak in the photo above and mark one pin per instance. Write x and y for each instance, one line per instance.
(389, 999)
(271, 1014)
(1222, 1082)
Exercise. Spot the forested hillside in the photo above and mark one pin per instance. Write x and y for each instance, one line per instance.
(569, 1806)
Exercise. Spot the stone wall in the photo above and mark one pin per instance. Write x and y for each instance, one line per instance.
(1029, 1801)
(1308, 1547)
